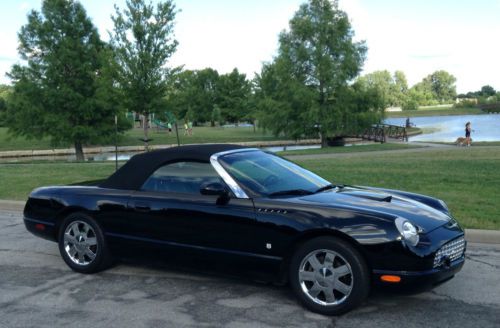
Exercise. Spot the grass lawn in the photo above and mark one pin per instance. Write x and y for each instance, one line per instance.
(17, 180)
(435, 111)
(349, 149)
(131, 138)
(466, 178)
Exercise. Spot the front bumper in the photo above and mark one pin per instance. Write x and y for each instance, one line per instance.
(421, 278)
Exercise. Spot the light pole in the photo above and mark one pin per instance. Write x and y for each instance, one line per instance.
(116, 142)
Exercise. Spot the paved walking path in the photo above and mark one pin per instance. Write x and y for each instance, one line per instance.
(427, 147)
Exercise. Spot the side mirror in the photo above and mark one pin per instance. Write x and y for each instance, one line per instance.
(214, 189)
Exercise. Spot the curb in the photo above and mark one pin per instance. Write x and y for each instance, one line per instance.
(11, 205)
(471, 235)
(482, 236)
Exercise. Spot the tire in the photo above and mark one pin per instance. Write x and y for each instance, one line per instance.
(329, 276)
(82, 244)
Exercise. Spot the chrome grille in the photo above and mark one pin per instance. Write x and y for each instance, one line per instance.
(452, 250)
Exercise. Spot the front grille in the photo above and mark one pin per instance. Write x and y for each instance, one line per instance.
(450, 252)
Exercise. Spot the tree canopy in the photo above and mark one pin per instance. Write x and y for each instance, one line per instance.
(57, 93)
(143, 41)
(306, 87)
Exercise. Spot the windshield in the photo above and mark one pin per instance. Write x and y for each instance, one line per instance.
(270, 175)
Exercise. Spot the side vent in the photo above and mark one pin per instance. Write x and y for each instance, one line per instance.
(271, 210)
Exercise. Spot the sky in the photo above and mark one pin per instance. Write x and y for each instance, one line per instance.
(415, 36)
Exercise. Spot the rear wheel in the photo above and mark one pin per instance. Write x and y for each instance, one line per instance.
(82, 244)
(329, 276)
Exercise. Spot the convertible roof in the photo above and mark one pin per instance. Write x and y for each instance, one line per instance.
(134, 173)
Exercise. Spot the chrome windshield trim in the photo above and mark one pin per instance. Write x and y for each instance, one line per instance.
(235, 188)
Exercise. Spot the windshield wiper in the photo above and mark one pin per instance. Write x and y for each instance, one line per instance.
(298, 192)
(328, 187)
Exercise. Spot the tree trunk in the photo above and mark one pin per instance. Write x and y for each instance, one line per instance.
(145, 125)
(212, 123)
(80, 157)
(324, 142)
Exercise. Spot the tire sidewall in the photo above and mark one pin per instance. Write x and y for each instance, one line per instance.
(361, 286)
(102, 249)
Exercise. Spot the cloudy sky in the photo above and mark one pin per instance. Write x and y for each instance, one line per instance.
(415, 36)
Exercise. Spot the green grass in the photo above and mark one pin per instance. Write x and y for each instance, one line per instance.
(131, 138)
(466, 178)
(17, 180)
(349, 149)
(436, 112)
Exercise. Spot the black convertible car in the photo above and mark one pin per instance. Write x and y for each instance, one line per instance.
(249, 207)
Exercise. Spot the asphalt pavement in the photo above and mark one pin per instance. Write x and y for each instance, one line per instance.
(38, 290)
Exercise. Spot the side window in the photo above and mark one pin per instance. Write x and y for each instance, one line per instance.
(181, 177)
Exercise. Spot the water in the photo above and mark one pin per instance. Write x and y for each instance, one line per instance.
(448, 128)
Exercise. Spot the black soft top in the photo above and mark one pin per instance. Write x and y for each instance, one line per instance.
(134, 173)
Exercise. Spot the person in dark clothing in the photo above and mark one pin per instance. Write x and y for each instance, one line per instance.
(468, 130)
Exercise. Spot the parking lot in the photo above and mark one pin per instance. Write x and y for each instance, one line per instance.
(38, 290)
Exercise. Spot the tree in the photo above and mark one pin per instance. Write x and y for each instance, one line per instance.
(5, 90)
(488, 91)
(317, 58)
(143, 42)
(401, 88)
(57, 94)
(443, 86)
(233, 96)
(283, 104)
(393, 88)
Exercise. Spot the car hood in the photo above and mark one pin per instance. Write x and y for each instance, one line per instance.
(374, 201)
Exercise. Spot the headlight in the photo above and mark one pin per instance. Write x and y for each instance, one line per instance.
(408, 231)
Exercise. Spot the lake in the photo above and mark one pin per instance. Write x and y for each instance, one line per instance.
(485, 127)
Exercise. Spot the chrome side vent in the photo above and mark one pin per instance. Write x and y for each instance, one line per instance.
(272, 210)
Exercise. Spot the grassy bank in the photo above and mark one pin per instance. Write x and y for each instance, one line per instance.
(466, 178)
(131, 138)
(349, 149)
(436, 111)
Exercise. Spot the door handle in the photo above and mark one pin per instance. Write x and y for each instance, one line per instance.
(142, 207)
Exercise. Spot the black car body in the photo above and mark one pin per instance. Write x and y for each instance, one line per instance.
(398, 237)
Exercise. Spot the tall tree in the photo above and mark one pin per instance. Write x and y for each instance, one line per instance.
(319, 57)
(57, 93)
(438, 87)
(193, 92)
(233, 95)
(143, 42)
(443, 86)
(487, 91)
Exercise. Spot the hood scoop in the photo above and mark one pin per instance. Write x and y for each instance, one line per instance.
(379, 197)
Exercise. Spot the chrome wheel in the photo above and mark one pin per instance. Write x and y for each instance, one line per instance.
(325, 277)
(80, 243)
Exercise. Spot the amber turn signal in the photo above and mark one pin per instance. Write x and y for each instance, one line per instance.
(389, 278)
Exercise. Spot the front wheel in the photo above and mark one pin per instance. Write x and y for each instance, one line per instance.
(82, 244)
(329, 276)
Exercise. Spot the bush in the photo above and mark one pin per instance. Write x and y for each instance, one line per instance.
(410, 104)
(465, 104)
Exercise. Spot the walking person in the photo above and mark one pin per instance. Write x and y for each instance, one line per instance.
(468, 130)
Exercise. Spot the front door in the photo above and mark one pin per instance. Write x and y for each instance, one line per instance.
(170, 209)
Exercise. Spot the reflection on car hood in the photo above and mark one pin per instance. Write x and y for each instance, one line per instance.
(374, 201)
